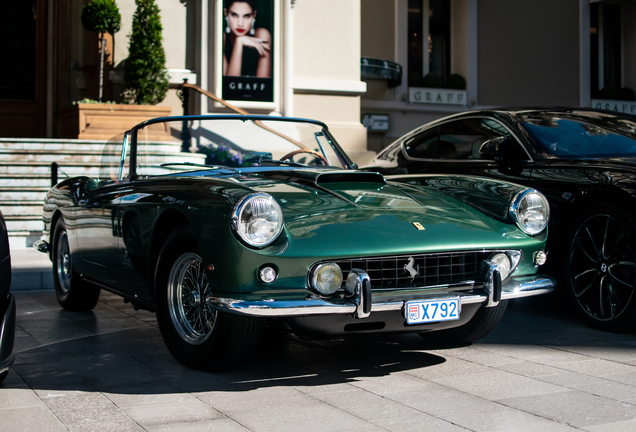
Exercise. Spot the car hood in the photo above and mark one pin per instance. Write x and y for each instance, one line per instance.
(359, 212)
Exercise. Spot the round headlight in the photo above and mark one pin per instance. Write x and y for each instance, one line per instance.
(530, 211)
(258, 219)
(503, 263)
(326, 278)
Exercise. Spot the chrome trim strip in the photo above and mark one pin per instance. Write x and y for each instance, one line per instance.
(515, 288)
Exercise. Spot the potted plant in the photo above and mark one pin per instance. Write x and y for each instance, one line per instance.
(101, 16)
(145, 73)
(146, 82)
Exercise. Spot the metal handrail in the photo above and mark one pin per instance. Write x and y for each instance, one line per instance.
(226, 104)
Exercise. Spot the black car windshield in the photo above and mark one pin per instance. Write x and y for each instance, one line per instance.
(228, 143)
(585, 135)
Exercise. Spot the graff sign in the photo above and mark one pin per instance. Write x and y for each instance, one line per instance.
(627, 107)
(421, 95)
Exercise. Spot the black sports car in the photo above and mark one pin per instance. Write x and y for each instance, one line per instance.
(7, 304)
(583, 160)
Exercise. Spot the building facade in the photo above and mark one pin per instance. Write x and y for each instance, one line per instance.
(371, 69)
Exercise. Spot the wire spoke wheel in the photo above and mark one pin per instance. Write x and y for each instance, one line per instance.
(602, 263)
(188, 290)
(64, 269)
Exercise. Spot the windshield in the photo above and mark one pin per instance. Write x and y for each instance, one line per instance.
(569, 135)
(232, 142)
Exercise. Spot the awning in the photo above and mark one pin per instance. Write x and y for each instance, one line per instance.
(381, 69)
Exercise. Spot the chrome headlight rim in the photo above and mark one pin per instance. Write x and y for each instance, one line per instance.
(240, 207)
(515, 204)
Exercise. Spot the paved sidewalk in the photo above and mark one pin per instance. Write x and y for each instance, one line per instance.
(108, 370)
(30, 270)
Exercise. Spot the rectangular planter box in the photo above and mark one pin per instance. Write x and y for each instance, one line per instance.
(104, 121)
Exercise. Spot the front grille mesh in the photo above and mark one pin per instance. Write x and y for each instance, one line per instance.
(423, 270)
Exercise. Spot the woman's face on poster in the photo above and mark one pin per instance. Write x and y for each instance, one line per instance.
(240, 16)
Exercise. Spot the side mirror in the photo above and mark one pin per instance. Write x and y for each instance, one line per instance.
(494, 149)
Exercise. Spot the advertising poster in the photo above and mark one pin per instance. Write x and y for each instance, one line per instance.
(248, 50)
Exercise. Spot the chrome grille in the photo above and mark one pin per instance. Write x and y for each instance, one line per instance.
(407, 271)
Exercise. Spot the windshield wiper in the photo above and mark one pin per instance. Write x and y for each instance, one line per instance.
(198, 165)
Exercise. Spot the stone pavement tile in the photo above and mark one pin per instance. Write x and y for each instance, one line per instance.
(531, 369)
(603, 349)
(30, 419)
(598, 367)
(53, 330)
(624, 426)
(143, 340)
(418, 423)
(367, 406)
(14, 393)
(609, 389)
(264, 398)
(76, 408)
(395, 382)
(39, 375)
(628, 378)
(109, 325)
(503, 419)
(534, 353)
(127, 425)
(315, 416)
(218, 425)
(439, 401)
(451, 367)
(149, 416)
(145, 393)
(475, 354)
(495, 385)
(575, 408)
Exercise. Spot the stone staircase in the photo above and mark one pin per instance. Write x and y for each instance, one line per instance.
(25, 176)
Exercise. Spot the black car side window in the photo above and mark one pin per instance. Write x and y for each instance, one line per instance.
(424, 145)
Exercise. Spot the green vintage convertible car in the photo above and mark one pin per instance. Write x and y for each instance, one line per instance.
(221, 223)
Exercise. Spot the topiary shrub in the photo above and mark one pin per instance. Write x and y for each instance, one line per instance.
(626, 94)
(608, 93)
(456, 82)
(433, 80)
(145, 75)
(101, 16)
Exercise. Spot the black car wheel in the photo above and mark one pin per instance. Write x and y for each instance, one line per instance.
(484, 321)
(73, 293)
(3, 375)
(196, 334)
(600, 268)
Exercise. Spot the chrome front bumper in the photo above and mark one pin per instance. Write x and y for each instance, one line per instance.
(358, 304)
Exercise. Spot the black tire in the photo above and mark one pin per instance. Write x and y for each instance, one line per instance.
(3, 375)
(484, 321)
(196, 334)
(600, 268)
(73, 293)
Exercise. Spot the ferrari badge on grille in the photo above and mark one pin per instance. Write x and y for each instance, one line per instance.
(419, 226)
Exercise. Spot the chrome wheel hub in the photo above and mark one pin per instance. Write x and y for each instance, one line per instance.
(188, 289)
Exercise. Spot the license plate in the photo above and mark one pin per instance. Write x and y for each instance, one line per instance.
(425, 311)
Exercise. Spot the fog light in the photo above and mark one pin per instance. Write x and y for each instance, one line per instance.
(503, 263)
(326, 278)
(353, 283)
(540, 258)
(267, 274)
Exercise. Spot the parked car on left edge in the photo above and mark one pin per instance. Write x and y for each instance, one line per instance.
(7, 303)
(220, 222)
